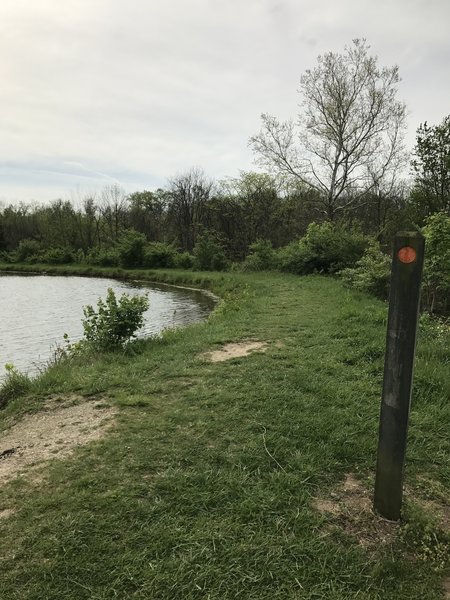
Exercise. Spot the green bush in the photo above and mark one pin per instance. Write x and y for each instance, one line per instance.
(262, 257)
(209, 254)
(115, 322)
(436, 278)
(183, 260)
(14, 385)
(325, 248)
(130, 249)
(56, 256)
(79, 257)
(371, 272)
(103, 257)
(28, 251)
(158, 255)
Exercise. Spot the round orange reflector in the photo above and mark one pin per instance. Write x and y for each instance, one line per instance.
(407, 254)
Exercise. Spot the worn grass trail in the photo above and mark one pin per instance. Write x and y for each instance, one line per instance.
(206, 487)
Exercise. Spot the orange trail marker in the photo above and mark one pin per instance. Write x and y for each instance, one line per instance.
(407, 254)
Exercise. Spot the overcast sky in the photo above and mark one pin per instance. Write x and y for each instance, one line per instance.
(95, 92)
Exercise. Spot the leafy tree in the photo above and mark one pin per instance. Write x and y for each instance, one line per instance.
(209, 254)
(436, 280)
(349, 132)
(19, 223)
(57, 224)
(431, 165)
(130, 248)
(147, 213)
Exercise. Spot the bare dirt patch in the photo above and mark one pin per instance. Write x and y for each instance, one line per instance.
(6, 512)
(52, 433)
(349, 507)
(236, 350)
(446, 587)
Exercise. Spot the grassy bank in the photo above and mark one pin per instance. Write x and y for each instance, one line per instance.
(225, 480)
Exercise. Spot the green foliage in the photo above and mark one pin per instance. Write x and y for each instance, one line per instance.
(130, 248)
(209, 254)
(262, 257)
(158, 255)
(432, 167)
(371, 272)
(183, 260)
(79, 256)
(5, 257)
(103, 257)
(115, 322)
(57, 256)
(326, 248)
(28, 251)
(14, 385)
(436, 280)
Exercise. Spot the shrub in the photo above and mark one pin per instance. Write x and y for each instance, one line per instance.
(158, 255)
(262, 257)
(79, 257)
(4, 257)
(103, 257)
(56, 256)
(130, 248)
(28, 251)
(115, 322)
(371, 272)
(14, 385)
(325, 248)
(436, 279)
(209, 254)
(183, 260)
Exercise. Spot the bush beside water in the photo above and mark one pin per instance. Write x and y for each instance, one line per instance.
(111, 327)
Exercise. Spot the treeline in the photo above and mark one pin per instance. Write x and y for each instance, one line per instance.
(237, 212)
(259, 221)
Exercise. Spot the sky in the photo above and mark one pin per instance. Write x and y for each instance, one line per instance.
(101, 92)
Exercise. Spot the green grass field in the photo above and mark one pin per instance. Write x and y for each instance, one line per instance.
(226, 480)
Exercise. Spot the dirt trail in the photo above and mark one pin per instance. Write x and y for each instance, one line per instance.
(52, 433)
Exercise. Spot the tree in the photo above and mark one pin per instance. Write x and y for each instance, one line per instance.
(113, 209)
(188, 196)
(348, 134)
(147, 213)
(432, 167)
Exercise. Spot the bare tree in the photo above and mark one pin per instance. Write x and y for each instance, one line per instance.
(188, 194)
(348, 134)
(113, 209)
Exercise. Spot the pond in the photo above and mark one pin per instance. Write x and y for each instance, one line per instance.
(37, 310)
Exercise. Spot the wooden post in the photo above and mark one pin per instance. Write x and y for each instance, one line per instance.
(406, 277)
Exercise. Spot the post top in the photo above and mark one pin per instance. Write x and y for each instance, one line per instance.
(409, 234)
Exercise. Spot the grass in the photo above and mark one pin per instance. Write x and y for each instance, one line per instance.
(206, 487)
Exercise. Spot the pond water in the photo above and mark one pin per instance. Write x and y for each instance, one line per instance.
(37, 310)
